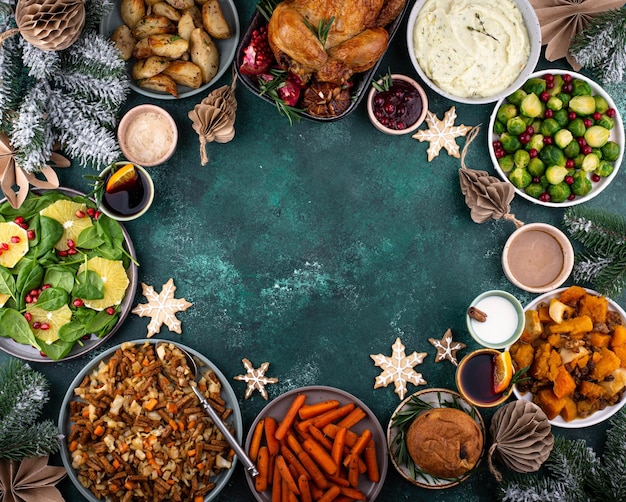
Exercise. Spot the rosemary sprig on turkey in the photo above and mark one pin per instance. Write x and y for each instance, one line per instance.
(322, 30)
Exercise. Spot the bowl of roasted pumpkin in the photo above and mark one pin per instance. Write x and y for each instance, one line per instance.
(316, 59)
(573, 351)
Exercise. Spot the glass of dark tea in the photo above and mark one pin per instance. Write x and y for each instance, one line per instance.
(483, 377)
(127, 191)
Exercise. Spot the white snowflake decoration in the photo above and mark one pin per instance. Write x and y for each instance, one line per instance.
(399, 368)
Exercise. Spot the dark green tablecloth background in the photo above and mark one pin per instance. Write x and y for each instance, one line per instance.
(312, 247)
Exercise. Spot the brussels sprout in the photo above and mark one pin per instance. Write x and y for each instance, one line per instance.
(543, 181)
(561, 117)
(610, 151)
(509, 142)
(521, 158)
(564, 97)
(534, 190)
(516, 126)
(517, 97)
(536, 142)
(559, 192)
(582, 105)
(582, 185)
(606, 122)
(596, 136)
(590, 162)
(506, 163)
(555, 174)
(535, 86)
(499, 127)
(549, 127)
(577, 126)
(572, 149)
(563, 137)
(531, 106)
(536, 124)
(598, 152)
(604, 169)
(520, 177)
(552, 155)
(554, 104)
(536, 167)
(580, 88)
(505, 112)
(601, 105)
(527, 120)
(578, 160)
(557, 86)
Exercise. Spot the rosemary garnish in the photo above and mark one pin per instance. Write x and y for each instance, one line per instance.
(322, 30)
(482, 28)
(386, 82)
(266, 8)
(270, 89)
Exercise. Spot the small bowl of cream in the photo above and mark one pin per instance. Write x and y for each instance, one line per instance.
(495, 319)
(538, 258)
(147, 135)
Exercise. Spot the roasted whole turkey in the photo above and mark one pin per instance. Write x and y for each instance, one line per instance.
(330, 40)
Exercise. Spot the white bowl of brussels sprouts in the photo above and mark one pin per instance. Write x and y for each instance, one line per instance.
(559, 138)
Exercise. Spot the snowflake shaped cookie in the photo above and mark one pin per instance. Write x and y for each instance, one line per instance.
(255, 378)
(399, 368)
(442, 133)
(162, 308)
(446, 348)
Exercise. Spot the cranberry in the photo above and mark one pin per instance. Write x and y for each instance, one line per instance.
(548, 77)
(533, 152)
(547, 140)
(569, 163)
(567, 78)
(581, 141)
(389, 108)
(536, 179)
(588, 122)
(499, 153)
(399, 107)
(530, 130)
(567, 88)
(78, 302)
(569, 180)
(586, 149)
(597, 116)
(595, 177)
(544, 96)
(571, 196)
(550, 85)
(545, 197)
(497, 144)
(572, 115)
(548, 114)
(611, 112)
(524, 138)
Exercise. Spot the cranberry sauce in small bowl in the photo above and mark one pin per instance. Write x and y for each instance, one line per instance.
(397, 104)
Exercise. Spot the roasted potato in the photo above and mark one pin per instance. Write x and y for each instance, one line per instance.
(204, 54)
(149, 67)
(142, 49)
(169, 46)
(166, 10)
(153, 25)
(186, 25)
(180, 4)
(132, 11)
(184, 73)
(124, 40)
(161, 83)
(196, 14)
(213, 20)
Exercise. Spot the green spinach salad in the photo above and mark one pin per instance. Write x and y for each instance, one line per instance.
(67, 276)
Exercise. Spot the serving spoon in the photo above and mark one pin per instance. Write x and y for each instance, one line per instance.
(232, 441)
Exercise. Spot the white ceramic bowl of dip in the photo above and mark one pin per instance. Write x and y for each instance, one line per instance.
(147, 135)
(504, 321)
(472, 47)
(538, 258)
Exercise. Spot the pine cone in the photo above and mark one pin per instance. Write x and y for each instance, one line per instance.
(50, 25)
(323, 99)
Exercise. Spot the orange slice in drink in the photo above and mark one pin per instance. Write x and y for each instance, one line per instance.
(502, 371)
(122, 179)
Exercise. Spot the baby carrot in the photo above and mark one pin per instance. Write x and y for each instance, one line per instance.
(353, 471)
(255, 443)
(305, 491)
(330, 494)
(285, 474)
(270, 435)
(311, 410)
(292, 460)
(359, 446)
(371, 462)
(330, 416)
(337, 449)
(311, 467)
(276, 485)
(320, 455)
(290, 416)
(353, 418)
(320, 437)
(331, 429)
(260, 481)
(352, 493)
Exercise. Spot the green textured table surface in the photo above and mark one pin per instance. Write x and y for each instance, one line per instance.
(312, 247)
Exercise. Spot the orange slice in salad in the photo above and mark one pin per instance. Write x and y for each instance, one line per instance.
(13, 243)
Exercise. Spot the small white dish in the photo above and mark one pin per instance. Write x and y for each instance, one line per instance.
(504, 321)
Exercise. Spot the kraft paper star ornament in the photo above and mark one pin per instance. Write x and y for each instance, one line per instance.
(31, 480)
(446, 348)
(162, 308)
(255, 378)
(398, 368)
(442, 134)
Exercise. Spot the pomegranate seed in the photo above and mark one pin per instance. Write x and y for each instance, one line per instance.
(4, 246)
(61, 252)
(36, 325)
(497, 144)
(78, 302)
(85, 337)
(567, 88)
(45, 286)
(15, 239)
(91, 211)
(97, 215)
(42, 353)
(34, 292)
(80, 214)
(44, 326)
(72, 251)
(19, 219)
(499, 153)
(24, 225)
(110, 310)
(70, 243)
(28, 316)
(30, 234)
(536, 179)
(28, 299)
(530, 130)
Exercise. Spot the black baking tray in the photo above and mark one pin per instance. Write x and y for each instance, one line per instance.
(361, 81)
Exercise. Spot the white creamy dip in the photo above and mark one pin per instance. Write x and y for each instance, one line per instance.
(149, 138)
(471, 48)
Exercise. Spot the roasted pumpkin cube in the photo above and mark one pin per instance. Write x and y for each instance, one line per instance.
(620, 351)
(546, 363)
(599, 339)
(569, 411)
(605, 361)
(575, 325)
(595, 307)
(522, 354)
(549, 402)
(619, 336)
(591, 391)
(543, 311)
(556, 340)
(564, 383)
(572, 294)
(586, 407)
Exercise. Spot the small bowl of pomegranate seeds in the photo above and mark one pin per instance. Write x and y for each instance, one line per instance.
(396, 104)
